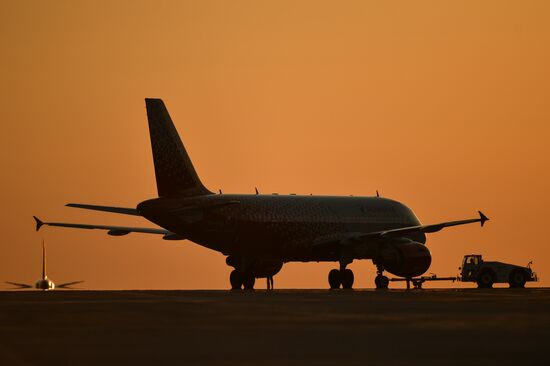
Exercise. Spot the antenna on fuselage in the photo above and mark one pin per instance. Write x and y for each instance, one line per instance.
(256, 188)
(220, 191)
(377, 194)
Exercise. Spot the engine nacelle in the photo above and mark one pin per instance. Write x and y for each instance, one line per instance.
(266, 268)
(259, 267)
(407, 260)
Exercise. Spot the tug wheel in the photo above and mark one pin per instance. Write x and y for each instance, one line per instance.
(485, 279)
(517, 279)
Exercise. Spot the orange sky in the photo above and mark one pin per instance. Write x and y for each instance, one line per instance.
(443, 106)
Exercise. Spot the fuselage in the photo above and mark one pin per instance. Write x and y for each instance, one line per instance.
(284, 226)
(258, 233)
(44, 284)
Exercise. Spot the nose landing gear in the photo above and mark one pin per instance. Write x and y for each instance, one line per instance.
(382, 282)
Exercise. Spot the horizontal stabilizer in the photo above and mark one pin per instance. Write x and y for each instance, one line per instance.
(119, 210)
(112, 230)
(68, 284)
(19, 285)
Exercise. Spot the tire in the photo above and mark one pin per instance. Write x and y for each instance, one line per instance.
(486, 279)
(381, 282)
(236, 280)
(249, 281)
(347, 278)
(517, 279)
(334, 279)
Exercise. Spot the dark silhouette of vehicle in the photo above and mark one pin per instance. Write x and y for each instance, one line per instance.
(485, 274)
(44, 283)
(260, 232)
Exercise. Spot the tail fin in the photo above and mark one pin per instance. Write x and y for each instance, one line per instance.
(173, 169)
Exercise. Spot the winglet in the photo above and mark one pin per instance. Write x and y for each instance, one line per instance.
(39, 223)
(482, 218)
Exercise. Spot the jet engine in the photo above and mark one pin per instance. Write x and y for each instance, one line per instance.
(266, 268)
(259, 267)
(409, 259)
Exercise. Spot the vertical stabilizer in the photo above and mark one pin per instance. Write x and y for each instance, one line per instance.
(174, 171)
(43, 260)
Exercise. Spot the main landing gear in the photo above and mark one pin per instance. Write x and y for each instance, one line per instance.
(337, 278)
(241, 280)
(341, 277)
(248, 269)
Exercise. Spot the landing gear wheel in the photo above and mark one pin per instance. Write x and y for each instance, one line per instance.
(346, 278)
(248, 281)
(485, 279)
(517, 279)
(236, 280)
(334, 279)
(381, 282)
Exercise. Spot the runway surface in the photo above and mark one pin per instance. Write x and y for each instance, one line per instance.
(283, 327)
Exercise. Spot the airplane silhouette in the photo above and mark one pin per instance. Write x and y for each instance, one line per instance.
(260, 232)
(44, 283)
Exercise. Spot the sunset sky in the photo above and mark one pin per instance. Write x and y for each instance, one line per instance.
(444, 106)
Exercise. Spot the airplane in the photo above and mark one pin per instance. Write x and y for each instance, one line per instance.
(44, 283)
(258, 233)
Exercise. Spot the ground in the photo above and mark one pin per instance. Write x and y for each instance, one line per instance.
(282, 327)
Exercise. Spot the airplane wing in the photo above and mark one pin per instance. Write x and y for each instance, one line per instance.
(20, 285)
(119, 210)
(432, 228)
(67, 284)
(113, 230)
(356, 238)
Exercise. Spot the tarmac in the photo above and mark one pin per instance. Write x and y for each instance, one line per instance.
(281, 327)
